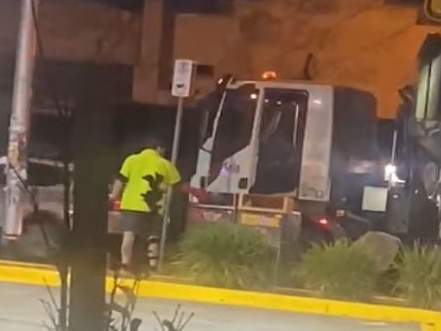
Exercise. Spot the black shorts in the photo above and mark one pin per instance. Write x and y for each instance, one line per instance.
(141, 223)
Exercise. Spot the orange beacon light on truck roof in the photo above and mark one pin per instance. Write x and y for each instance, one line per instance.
(269, 75)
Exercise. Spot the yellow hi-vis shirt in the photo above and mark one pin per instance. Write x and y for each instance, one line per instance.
(147, 176)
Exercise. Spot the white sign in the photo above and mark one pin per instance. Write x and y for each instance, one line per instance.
(183, 77)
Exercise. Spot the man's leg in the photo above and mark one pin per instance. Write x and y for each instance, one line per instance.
(153, 241)
(127, 248)
(129, 229)
(140, 248)
(153, 252)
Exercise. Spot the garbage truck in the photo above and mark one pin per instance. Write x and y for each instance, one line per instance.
(277, 152)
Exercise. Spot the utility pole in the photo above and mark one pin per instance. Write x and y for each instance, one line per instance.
(16, 169)
(92, 133)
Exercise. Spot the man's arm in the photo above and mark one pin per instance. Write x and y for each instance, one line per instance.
(185, 188)
(119, 183)
(175, 181)
(173, 176)
(117, 189)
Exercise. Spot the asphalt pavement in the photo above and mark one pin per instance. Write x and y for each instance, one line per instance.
(21, 310)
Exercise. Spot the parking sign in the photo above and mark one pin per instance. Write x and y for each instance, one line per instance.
(183, 77)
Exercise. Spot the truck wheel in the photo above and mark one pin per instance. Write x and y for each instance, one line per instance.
(313, 236)
(354, 229)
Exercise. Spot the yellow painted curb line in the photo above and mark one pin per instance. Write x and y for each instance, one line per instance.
(428, 320)
(28, 275)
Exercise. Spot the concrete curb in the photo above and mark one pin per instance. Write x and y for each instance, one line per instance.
(428, 320)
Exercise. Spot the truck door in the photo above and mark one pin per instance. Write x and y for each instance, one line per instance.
(281, 135)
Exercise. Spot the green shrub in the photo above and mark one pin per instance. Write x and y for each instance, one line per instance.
(419, 275)
(225, 255)
(338, 270)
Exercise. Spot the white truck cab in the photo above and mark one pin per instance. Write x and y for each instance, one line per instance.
(269, 137)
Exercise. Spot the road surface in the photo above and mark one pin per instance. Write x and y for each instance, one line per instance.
(20, 310)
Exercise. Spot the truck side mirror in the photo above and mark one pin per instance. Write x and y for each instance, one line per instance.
(433, 9)
(406, 93)
(223, 81)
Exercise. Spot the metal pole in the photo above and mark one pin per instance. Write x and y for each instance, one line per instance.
(19, 123)
(394, 147)
(177, 133)
(174, 158)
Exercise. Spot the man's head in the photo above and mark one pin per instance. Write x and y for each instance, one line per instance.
(155, 143)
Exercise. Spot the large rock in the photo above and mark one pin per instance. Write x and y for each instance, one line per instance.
(382, 247)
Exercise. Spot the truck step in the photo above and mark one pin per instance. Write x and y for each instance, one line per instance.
(266, 203)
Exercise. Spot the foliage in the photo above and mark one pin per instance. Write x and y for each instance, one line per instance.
(177, 323)
(126, 321)
(419, 275)
(117, 317)
(225, 255)
(338, 270)
(52, 311)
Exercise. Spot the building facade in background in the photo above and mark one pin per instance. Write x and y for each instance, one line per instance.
(367, 44)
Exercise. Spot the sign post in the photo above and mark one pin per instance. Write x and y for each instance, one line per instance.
(183, 79)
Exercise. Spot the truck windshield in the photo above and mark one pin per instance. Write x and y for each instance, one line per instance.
(234, 129)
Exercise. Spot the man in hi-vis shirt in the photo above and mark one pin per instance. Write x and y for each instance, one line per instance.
(143, 181)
